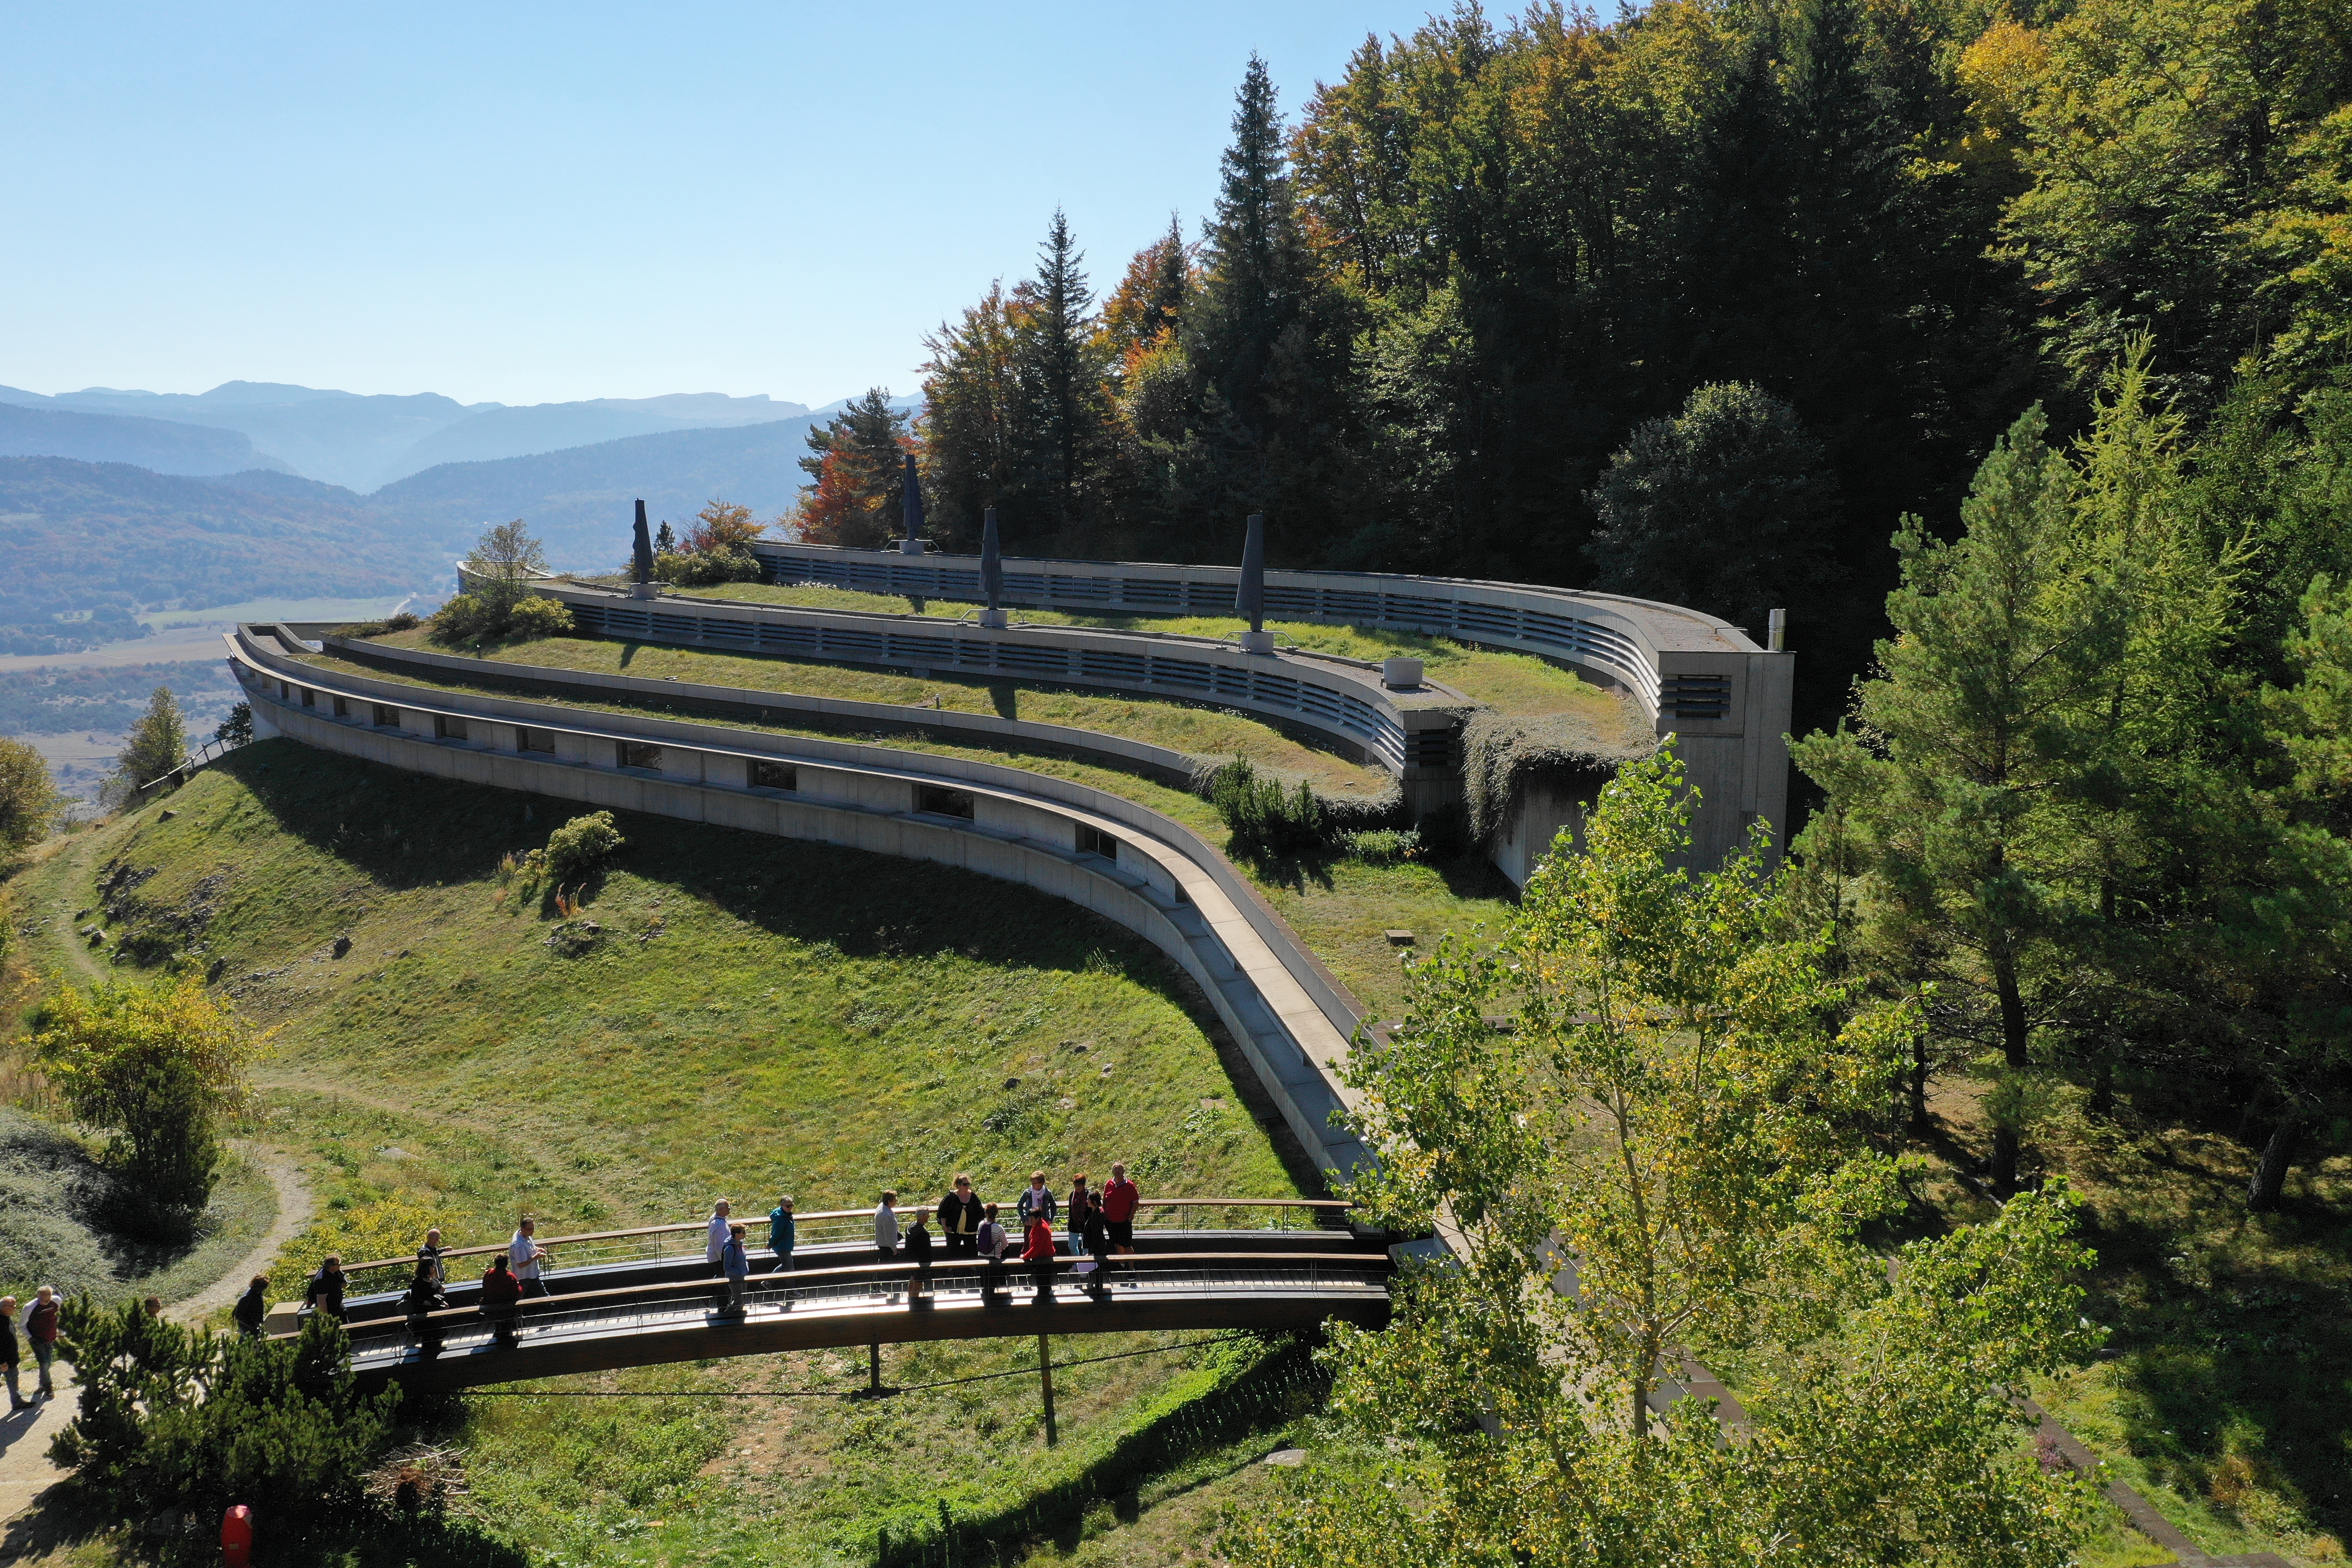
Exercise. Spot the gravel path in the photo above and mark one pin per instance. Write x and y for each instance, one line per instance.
(25, 1468)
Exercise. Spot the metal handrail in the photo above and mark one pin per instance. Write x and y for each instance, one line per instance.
(700, 1227)
(861, 1279)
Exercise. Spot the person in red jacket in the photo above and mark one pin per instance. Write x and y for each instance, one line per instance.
(1039, 1254)
(501, 1300)
(1119, 1203)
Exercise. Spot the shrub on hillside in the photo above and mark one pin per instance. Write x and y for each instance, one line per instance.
(1268, 822)
(172, 1416)
(29, 802)
(581, 845)
(236, 730)
(703, 568)
(401, 622)
(472, 618)
(1385, 846)
(155, 1068)
(539, 616)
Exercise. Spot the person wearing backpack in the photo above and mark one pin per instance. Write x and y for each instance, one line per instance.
(781, 1235)
(735, 1262)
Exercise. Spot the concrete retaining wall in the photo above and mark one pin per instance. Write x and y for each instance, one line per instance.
(1290, 1016)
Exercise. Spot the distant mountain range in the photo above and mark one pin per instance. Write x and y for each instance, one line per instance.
(85, 546)
(197, 502)
(363, 442)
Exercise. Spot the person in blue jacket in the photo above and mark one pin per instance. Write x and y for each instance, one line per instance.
(781, 1234)
(735, 1264)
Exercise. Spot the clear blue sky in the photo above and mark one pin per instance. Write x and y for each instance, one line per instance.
(541, 202)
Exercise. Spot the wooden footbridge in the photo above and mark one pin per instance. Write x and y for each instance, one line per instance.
(624, 1298)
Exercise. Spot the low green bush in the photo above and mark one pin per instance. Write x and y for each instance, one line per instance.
(1385, 846)
(581, 845)
(401, 622)
(700, 568)
(471, 619)
(1266, 821)
(538, 616)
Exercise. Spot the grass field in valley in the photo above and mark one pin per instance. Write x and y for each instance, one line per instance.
(760, 1016)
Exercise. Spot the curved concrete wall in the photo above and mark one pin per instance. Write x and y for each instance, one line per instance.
(1708, 683)
(1131, 864)
(1169, 765)
(1410, 733)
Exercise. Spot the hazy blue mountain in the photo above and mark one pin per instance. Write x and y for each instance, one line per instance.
(580, 500)
(363, 442)
(164, 446)
(495, 433)
(107, 539)
(339, 436)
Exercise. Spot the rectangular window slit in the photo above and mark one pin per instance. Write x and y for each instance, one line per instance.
(1094, 841)
(527, 739)
(774, 775)
(937, 800)
(637, 754)
(386, 718)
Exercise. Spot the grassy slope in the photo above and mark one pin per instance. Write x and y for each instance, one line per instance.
(2223, 1394)
(763, 1014)
(1339, 909)
(1202, 731)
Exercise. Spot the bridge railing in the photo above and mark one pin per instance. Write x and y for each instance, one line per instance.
(688, 1238)
(622, 1308)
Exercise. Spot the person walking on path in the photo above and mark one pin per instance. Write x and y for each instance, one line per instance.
(41, 1329)
(524, 1255)
(324, 1293)
(1120, 1201)
(991, 1243)
(1039, 1256)
(252, 1308)
(10, 1354)
(781, 1235)
(960, 1213)
(429, 1260)
(885, 1226)
(1082, 1202)
(735, 1262)
(1036, 1199)
(501, 1302)
(717, 1242)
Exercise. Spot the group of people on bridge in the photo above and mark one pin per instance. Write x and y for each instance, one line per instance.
(1100, 1227)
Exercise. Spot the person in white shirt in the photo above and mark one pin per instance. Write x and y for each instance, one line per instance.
(523, 1254)
(718, 1223)
(886, 1228)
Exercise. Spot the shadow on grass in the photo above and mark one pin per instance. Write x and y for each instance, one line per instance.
(374, 1538)
(2235, 1340)
(406, 831)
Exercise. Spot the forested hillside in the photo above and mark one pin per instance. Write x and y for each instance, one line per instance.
(581, 501)
(1479, 269)
(106, 540)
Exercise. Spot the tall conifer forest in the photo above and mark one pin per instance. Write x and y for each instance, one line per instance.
(2002, 341)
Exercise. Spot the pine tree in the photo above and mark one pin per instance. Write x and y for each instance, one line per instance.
(1258, 264)
(855, 459)
(1058, 367)
(1969, 750)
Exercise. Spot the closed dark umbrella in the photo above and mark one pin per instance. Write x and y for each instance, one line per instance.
(914, 501)
(991, 562)
(645, 547)
(1250, 597)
